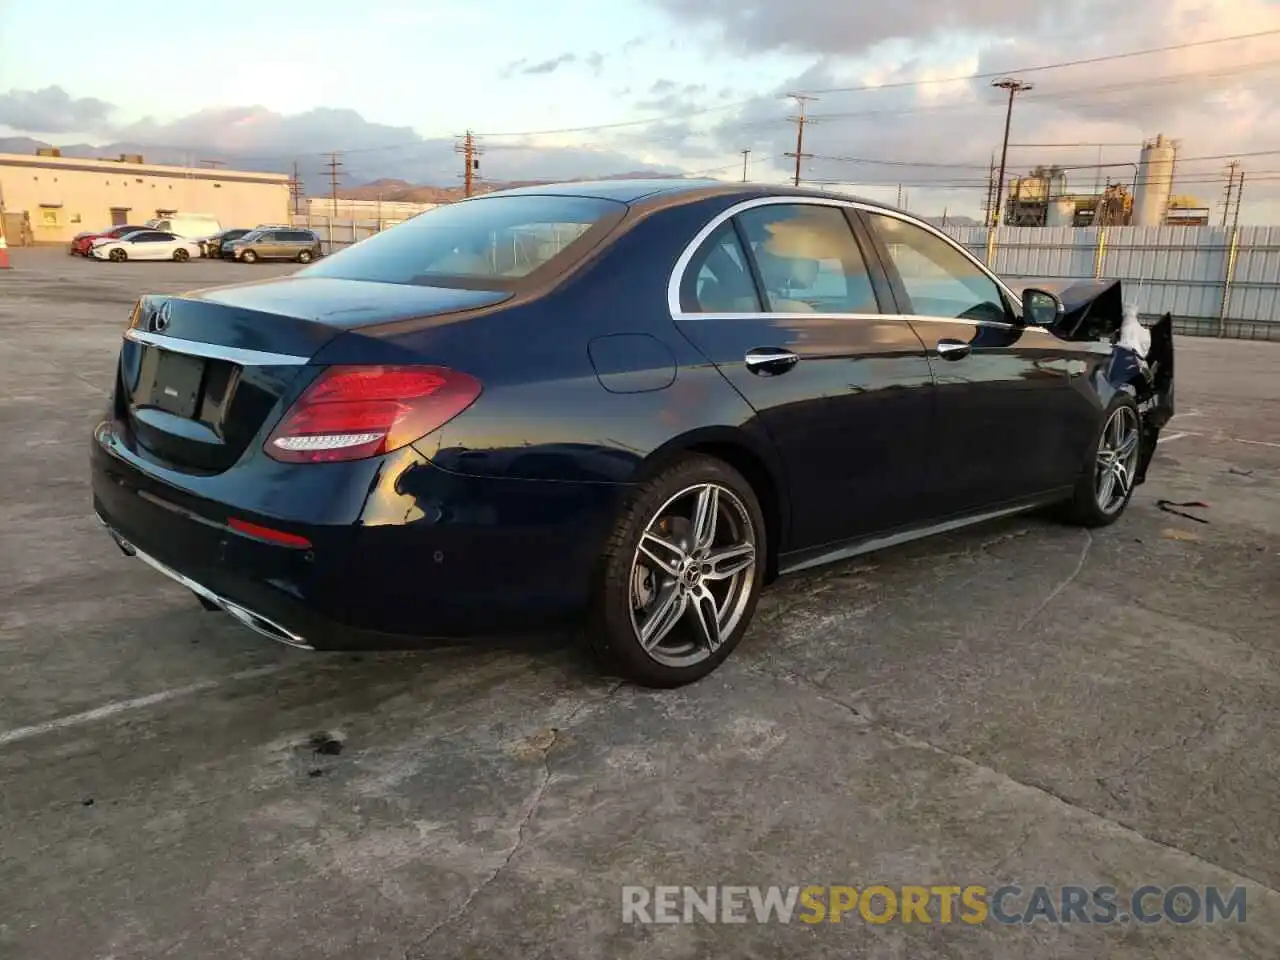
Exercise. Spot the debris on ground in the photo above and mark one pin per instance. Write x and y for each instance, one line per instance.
(1168, 506)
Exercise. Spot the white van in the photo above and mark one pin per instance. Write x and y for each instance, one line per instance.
(189, 226)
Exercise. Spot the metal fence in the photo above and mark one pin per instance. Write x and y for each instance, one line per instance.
(1218, 282)
(338, 232)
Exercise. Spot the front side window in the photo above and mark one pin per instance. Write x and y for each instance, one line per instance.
(718, 279)
(486, 243)
(808, 259)
(939, 279)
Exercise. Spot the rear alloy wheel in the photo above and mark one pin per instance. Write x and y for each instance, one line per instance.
(181, 255)
(249, 256)
(1106, 486)
(304, 256)
(118, 255)
(680, 576)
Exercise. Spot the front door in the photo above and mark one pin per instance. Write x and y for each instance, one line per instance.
(1005, 410)
(782, 299)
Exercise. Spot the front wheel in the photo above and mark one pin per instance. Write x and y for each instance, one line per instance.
(249, 256)
(181, 255)
(1106, 484)
(118, 255)
(680, 576)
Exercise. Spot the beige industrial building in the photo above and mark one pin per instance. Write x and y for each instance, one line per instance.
(49, 199)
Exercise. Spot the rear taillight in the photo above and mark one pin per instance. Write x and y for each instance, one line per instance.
(350, 413)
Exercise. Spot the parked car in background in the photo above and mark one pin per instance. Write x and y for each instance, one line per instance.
(288, 243)
(146, 245)
(629, 404)
(213, 245)
(82, 242)
(189, 226)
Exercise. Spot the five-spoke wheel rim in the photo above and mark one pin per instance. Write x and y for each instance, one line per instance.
(692, 575)
(1117, 458)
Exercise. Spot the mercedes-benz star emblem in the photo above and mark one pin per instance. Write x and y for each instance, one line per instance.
(160, 319)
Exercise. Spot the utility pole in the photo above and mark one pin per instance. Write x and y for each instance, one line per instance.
(1235, 223)
(1232, 169)
(745, 154)
(334, 164)
(991, 189)
(1014, 87)
(295, 189)
(799, 120)
(899, 196)
(471, 159)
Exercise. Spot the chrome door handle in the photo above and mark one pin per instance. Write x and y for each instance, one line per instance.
(770, 361)
(953, 349)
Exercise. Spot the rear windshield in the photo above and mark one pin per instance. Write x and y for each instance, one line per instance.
(485, 243)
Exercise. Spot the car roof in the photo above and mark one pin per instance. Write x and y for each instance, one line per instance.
(670, 191)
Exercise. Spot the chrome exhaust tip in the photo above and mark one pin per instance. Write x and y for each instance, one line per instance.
(211, 600)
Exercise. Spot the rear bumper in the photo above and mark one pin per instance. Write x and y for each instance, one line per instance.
(401, 552)
(254, 621)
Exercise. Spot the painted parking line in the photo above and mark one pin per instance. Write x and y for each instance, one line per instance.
(1219, 437)
(109, 710)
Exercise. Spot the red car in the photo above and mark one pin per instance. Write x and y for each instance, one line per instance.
(83, 241)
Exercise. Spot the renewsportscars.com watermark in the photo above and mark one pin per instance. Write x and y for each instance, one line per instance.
(971, 904)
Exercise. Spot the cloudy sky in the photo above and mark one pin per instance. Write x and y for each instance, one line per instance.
(565, 88)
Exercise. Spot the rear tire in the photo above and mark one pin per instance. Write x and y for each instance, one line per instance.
(1106, 484)
(181, 255)
(673, 594)
(304, 256)
(249, 256)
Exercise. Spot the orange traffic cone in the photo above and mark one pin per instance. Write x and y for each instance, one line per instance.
(4, 253)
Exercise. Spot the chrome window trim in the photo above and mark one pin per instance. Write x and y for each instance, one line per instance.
(902, 317)
(214, 351)
(682, 264)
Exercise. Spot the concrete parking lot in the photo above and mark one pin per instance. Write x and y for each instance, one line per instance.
(1022, 703)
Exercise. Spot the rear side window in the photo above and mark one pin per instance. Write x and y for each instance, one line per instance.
(809, 260)
(486, 243)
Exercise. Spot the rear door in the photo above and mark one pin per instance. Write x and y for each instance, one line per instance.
(785, 302)
(1005, 408)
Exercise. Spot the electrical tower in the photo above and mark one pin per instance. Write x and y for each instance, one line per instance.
(335, 166)
(1233, 168)
(799, 120)
(470, 151)
(295, 189)
(1014, 87)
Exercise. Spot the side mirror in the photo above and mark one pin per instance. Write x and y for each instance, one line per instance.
(1040, 308)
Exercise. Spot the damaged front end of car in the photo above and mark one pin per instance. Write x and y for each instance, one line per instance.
(1141, 357)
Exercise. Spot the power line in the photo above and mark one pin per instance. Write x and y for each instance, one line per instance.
(1051, 66)
(896, 85)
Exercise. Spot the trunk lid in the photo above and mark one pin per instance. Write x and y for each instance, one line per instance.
(201, 373)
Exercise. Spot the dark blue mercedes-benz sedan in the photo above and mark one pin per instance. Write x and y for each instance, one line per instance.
(626, 405)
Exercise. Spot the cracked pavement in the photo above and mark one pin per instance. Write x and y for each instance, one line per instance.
(1018, 703)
